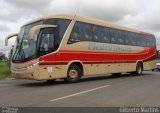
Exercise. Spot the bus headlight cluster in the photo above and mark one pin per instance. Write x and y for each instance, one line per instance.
(18, 69)
(32, 65)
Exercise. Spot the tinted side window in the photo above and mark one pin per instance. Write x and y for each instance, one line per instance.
(107, 35)
(150, 41)
(153, 41)
(130, 38)
(141, 40)
(62, 27)
(117, 36)
(47, 41)
(100, 34)
(81, 32)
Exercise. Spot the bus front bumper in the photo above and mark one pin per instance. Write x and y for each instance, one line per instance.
(26, 73)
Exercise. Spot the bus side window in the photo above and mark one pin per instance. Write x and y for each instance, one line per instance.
(141, 41)
(150, 41)
(62, 25)
(130, 38)
(47, 44)
(113, 35)
(117, 36)
(81, 32)
(126, 38)
(107, 35)
(153, 41)
(98, 34)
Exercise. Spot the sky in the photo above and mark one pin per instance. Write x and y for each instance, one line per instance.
(142, 15)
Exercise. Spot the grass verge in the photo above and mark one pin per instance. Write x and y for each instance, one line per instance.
(4, 70)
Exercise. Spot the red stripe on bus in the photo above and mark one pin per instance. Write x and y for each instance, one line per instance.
(96, 57)
(95, 62)
(53, 63)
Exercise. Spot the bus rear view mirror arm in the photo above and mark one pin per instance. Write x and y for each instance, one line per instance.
(10, 36)
(38, 27)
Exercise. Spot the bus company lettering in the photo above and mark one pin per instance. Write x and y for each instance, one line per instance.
(94, 46)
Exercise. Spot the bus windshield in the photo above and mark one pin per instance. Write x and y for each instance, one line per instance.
(45, 40)
(24, 48)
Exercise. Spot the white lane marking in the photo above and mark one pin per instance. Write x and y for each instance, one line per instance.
(79, 93)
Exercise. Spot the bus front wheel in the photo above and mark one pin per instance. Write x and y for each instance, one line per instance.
(74, 74)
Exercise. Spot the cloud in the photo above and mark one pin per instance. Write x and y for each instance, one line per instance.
(18, 9)
(3, 27)
(106, 9)
(28, 4)
(147, 17)
(138, 14)
(4, 48)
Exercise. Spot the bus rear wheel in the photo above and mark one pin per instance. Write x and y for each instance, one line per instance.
(139, 69)
(74, 74)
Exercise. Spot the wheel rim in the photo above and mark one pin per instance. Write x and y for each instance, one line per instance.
(73, 73)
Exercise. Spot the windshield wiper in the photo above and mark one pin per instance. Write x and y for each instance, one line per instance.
(19, 53)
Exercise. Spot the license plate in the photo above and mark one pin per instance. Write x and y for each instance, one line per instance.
(18, 75)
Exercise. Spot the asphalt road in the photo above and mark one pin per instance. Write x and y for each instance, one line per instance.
(99, 91)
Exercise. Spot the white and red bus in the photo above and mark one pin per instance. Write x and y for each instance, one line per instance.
(68, 47)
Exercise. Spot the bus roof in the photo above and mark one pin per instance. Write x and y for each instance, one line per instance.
(89, 20)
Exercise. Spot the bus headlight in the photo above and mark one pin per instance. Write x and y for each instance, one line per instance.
(32, 65)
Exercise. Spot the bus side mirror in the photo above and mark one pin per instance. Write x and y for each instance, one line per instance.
(10, 36)
(38, 27)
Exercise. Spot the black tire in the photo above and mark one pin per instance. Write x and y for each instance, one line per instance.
(116, 74)
(51, 81)
(153, 69)
(74, 74)
(139, 69)
(132, 73)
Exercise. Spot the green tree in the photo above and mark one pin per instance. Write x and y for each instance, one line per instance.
(10, 56)
(2, 56)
